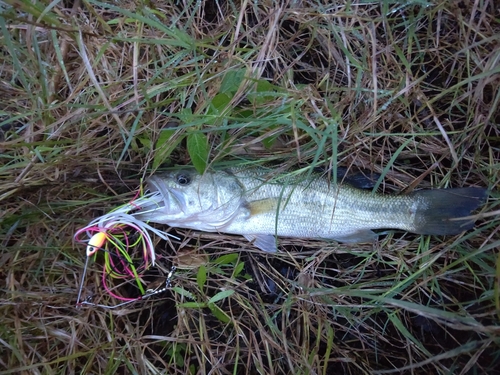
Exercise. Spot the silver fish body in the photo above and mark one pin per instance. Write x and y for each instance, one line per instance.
(254, 203)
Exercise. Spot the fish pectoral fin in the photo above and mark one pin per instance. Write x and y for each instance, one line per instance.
(266, 242)
(262, 206)
(360, 236)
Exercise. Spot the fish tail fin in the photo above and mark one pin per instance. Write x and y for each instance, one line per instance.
(439, 211)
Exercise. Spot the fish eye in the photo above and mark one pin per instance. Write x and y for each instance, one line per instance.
(183, 179)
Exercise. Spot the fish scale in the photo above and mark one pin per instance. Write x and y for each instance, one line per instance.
(318, 209)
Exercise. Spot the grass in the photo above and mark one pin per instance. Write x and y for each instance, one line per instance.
(97, 95)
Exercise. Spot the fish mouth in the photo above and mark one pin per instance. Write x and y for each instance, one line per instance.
(156, 184)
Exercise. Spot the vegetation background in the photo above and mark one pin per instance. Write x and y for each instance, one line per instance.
(96, 95)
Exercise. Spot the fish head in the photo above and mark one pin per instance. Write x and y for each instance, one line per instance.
(199, 201)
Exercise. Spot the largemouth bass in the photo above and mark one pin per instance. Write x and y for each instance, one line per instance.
(253, 203)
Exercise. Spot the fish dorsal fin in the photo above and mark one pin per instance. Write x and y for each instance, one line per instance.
(266, 242)
(359, 179)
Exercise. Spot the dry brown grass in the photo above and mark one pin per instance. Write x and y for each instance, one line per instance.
(406, 89)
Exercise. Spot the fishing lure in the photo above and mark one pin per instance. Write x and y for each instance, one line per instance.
(121, 237)
(149, 293)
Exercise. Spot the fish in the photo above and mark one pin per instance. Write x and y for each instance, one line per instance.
(261, 205)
